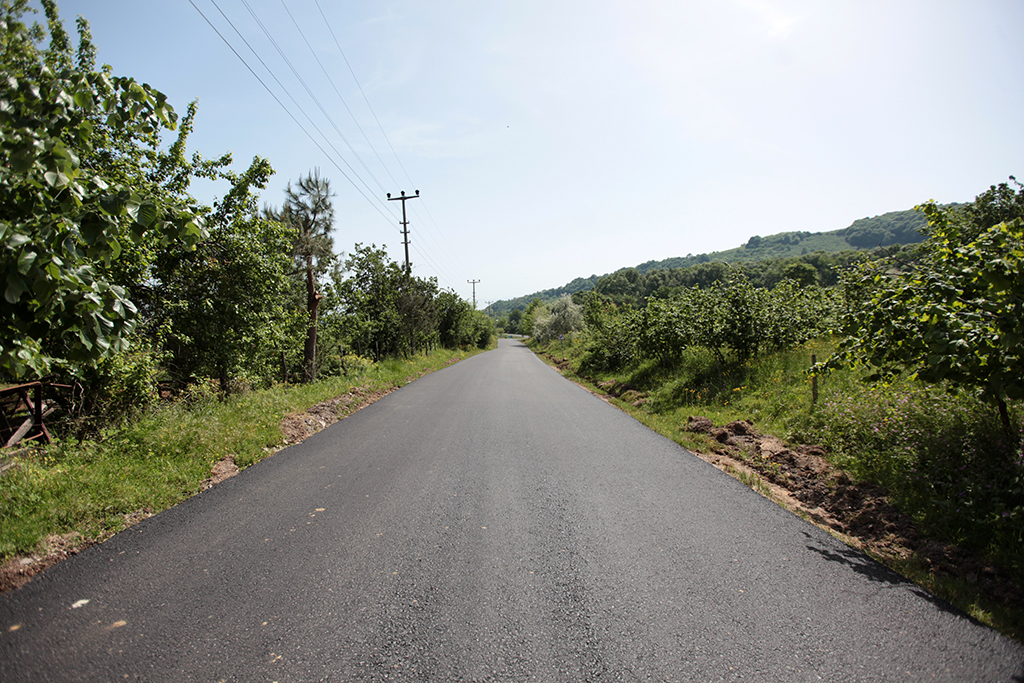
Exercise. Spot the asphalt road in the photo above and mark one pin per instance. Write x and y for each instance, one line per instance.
(489, 522)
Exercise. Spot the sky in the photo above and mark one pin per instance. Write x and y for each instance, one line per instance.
(555, 139)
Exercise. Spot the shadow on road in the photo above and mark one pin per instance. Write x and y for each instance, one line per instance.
(879, 573)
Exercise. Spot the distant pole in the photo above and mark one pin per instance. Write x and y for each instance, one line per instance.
(405, 226)
(473, 282)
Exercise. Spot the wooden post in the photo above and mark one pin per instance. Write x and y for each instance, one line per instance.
(284, 370)
(38, 407)
(814, 381)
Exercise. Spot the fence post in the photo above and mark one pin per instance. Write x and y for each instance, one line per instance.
(814, 381)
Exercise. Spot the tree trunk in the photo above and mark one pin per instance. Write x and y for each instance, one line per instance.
(1004, 417)
(312, 306)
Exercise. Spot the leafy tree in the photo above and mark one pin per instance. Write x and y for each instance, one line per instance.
(483, 329)
(608, 341)
(386, 312)
(460, 325)
(955, 313)
(418, 311)
(515, 317)
(369, 299)
(221, 303)
(308, 210)
(625, 286)
(533, 310)
(802, 273)
(455, 327)
(66, 218)
(564, 317)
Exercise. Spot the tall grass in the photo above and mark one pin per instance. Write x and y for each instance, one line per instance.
(159, 458)
(942, 454)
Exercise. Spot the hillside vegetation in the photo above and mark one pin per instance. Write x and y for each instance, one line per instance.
(782, 250)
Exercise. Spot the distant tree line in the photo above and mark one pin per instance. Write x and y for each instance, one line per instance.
(888, 231)
(635, 288)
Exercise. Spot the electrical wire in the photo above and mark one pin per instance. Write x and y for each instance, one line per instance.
(422, 250)
(312, 96)
(341, 51)
(376, 206)
(426, 253)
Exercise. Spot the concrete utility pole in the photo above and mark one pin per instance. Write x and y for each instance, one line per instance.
(405, 226)
(473, 282)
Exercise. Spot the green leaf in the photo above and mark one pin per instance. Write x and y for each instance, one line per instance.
(16, 240)
(84, 100)
(132, 207)
(15, 288)
(22, 160)
(147, 213)
(25, 261)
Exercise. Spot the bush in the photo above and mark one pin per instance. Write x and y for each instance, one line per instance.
(118, 387)
(563, 318)
(941, 453)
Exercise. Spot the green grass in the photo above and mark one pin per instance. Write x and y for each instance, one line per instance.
(940, 453)
(160, 458)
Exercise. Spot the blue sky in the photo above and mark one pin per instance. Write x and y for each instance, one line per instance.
(555, 139)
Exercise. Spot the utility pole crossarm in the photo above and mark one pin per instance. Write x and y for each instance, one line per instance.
(405, 226)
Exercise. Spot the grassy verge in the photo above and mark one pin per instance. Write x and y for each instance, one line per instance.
(940, 455)
(95, 488)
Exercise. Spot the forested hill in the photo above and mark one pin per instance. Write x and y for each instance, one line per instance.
(895, 227)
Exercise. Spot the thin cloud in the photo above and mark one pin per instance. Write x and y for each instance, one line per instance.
(777, 23)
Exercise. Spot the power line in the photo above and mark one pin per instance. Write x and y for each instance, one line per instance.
(360, 127)
(313, 97)
(383, 132)
(331, 81)
(282, 105)
(352, 176)
(365, 99)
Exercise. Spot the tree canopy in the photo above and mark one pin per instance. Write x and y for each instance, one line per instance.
(66, 217)
(953, 313)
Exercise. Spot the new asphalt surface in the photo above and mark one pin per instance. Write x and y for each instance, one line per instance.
(488, 522)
